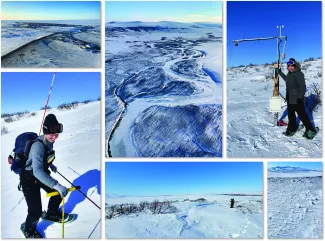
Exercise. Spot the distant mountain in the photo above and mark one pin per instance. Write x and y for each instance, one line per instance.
(168, 26)
(290, 169)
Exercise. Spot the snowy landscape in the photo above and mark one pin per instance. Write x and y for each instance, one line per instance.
(51, 43)
(251, 129)
(295, 203)
(185, 216)
(163, 89)
(77, 158)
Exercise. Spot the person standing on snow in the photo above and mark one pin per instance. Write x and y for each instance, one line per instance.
(295, 94)
(37, 175)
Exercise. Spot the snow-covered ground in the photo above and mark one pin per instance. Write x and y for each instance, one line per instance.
(163, 74)
(295, 204)
(251, 130)
(50, 43)
(211, 218)
(77, 158)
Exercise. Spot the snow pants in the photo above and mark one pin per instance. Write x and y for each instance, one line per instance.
(32, 191)
(300, 109)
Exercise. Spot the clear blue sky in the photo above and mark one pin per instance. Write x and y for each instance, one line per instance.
(159, 178)
(309, 165)
(50, 10)
(185, 11)
(252, 19)
(29, 91)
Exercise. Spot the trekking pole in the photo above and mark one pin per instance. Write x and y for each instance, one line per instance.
(51, 194)
(48, 98)
(78, 190)
(62, 217)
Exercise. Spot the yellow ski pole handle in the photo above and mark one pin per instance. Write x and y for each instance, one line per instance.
(51, 194)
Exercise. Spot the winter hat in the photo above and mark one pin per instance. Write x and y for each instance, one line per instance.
(51, 125)
(292, 61)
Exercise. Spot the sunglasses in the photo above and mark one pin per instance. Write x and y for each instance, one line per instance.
(54, 129)
(291, 62)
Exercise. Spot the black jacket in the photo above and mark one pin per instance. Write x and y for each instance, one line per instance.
(296, 85)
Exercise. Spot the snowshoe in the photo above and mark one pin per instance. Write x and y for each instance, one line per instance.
(311, 134)
(57, 217)
(30, 234)
(288, 133)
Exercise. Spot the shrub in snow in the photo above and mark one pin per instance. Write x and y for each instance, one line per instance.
(314, 93)
(9, 119)
(310, 59)
(48, 108)
(86, 101)
(6, 115)
(68, 106)
(33, 114)
(199, 200)
(143, 205)
(4, 130)
(155, 207)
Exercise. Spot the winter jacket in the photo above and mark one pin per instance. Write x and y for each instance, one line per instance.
(38, 164)
(295, 84)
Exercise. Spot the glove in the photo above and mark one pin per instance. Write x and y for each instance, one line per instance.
(278, 70)
(61, 189)
(53, 168)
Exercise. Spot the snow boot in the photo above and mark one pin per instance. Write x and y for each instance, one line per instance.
(52, 216)
(311, 134)
(57, 217)
(30, 233)
(289, 133)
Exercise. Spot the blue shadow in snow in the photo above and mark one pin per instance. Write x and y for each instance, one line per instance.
(87, 181)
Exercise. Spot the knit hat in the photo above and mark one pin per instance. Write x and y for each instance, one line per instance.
(51, 125)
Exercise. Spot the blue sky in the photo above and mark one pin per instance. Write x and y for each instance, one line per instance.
(302, 25)
(186, 11)
(50, 10)
(309, 165)
(29, 91)
(159, 178)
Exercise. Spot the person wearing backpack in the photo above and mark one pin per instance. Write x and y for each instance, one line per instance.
(36, 175)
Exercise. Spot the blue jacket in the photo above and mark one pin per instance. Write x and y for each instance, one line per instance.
(36, 161)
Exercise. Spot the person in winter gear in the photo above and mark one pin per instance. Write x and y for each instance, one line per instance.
(295, 94)
(37, 175)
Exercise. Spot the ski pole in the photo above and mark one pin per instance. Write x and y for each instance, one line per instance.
(78, 189)
(48, 98)
(62, 217)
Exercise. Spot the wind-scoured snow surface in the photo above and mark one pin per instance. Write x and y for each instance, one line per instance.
(212, 218)
(251, 130)
(77, 158)
(163, 89)
(50, 43)
(295, 203)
